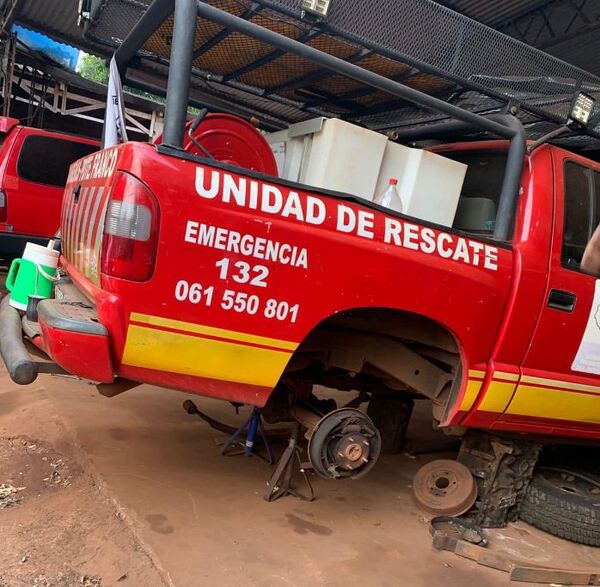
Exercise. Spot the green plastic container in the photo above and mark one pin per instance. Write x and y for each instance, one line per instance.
(34, 274)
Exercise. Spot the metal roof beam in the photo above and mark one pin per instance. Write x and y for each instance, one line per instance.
(554, 22)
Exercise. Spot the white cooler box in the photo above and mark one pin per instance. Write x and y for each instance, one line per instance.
(339, 156)
(330, 154)
(429, 184)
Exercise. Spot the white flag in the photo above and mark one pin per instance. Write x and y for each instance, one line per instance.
(114, 122)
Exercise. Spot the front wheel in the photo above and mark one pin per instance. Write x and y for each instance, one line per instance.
(564, 502)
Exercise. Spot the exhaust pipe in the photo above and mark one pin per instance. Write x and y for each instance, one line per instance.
(20, 367)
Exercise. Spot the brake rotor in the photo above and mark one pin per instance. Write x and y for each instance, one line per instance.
(344, 444)
(445, 488)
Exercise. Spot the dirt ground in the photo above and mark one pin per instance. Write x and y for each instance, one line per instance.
(133, 491)
(59, 526)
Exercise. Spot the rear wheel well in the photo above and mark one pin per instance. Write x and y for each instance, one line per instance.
(380, 351)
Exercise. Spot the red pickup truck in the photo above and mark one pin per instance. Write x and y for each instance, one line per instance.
(34, 164)
(191, 265)
(204, 269)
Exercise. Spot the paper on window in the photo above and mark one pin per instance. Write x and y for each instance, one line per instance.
(587, 359)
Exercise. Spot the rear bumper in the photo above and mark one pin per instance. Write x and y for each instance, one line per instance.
(68, 331)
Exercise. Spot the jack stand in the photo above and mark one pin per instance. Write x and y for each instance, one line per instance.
(253, 426)
(280, 483)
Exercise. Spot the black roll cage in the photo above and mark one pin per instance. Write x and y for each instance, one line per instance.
(186, 14)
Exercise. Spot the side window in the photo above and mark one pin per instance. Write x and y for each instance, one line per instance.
(580, 211)
(47, 159)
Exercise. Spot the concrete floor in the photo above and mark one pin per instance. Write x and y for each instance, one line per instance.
(203, 520)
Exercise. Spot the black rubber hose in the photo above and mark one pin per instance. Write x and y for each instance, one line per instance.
(192, 130)
(20, 367)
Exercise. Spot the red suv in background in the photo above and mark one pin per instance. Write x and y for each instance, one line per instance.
(34, 164)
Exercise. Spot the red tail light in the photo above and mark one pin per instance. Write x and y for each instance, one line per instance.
(2, 206)
(130, 230)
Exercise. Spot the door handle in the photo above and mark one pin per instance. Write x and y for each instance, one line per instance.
(562, 300)
(76, 193)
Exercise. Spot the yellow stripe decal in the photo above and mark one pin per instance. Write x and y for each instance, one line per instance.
(186, 354)
(561, 384)
(543, 398)
(540, 402)
(211, 331)
(471, 394)
(475, 373)
(506, 376)
(497, 396)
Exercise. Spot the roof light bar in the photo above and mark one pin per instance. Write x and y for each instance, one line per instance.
(318, 7)
(582, 108)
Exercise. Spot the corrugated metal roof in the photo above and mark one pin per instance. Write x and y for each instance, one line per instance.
(582, 51)
(57, 19)
(60, 16)
(493, 12)
(562, 28)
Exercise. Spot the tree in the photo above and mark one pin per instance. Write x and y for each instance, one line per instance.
(93, 68)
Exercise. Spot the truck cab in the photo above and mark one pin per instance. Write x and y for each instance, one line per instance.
(542, 377)
(34, 164)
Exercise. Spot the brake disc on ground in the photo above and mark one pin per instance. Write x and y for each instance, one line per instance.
(445, 488)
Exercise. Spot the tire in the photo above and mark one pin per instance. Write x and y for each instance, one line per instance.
(564, 503)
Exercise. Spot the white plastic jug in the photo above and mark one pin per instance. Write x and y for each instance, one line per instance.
(33, 274)
(42, 256)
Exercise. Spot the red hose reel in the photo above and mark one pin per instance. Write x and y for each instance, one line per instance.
(232, 140)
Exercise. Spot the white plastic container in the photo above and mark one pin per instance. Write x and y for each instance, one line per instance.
(330, 154)
(391, 197)
(44, 256)
(32, 275)
(429, 184)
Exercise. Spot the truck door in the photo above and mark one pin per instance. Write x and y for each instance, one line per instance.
(35, 178)
(559, 388)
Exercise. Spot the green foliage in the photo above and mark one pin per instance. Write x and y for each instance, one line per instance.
(93, 68)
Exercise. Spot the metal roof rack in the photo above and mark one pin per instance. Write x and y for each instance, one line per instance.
(459, 61)
(189, 30)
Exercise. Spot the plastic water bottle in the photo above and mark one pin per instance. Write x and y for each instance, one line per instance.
(390, 198)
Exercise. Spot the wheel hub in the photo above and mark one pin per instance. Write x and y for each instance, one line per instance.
(352, 451)
(343, 444)
(572, 481)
